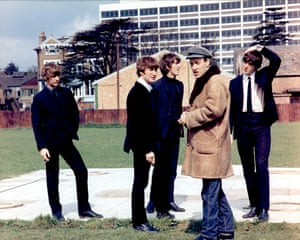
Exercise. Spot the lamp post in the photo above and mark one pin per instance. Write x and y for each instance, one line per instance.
(40, 81)
(118, 76)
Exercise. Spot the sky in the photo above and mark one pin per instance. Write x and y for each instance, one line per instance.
(21, 22)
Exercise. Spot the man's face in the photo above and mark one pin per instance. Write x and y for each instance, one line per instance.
(53, 82)
(199, 66)
(248, 68)
(149, 75)
(174, 70)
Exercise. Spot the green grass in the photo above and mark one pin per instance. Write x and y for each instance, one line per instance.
(101, 147)
(113, 229)
(285, 150)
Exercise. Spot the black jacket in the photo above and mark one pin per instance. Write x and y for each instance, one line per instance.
(141, 131)
(55, 117)
(161, 101)
(264, 79)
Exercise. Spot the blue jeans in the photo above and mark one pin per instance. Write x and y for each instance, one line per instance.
(217, 215)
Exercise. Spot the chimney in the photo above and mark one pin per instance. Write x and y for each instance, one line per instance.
(42, 37)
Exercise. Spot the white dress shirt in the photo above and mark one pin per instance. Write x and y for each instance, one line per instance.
(257, 95)
(145, 84)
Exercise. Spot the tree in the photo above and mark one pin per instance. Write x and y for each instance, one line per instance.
(11, 68)
(32, 69)
(272, 29)
(93, 53)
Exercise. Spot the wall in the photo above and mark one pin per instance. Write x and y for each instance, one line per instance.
(106, 88)
(288, 112)
(8, 119)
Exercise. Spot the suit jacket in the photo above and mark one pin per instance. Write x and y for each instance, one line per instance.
(141, 133)
(162, 104)
(55, 117)
(264, 79)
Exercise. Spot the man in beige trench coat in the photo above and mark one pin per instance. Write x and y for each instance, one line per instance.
(208, 151)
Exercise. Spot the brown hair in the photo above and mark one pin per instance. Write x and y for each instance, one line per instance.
(50, 70)
(166, 61)
(254, 58)
(145, 62)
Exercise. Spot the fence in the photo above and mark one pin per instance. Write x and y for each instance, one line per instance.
(9, 119)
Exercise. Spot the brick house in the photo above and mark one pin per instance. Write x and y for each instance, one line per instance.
(286, 85)
(106, 88)
(17, 90)
(52, 49)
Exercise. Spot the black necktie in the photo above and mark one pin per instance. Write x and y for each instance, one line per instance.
(249, 102)
(55, 92)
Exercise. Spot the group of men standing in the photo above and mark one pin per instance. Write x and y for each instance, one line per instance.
(153, 110)
(218, 107)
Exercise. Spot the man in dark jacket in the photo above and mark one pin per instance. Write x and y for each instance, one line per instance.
(167, 97)
(55, 121)
(141, 138)
(252, 113)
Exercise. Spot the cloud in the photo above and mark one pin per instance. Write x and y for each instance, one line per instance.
(21, 22)
(24, 57)
(79, 23)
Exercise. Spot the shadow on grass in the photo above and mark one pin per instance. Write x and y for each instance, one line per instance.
(194, 226)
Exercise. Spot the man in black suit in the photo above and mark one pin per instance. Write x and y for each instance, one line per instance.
(252, 113)
(167, 97)
(141, 138)
(55, 121)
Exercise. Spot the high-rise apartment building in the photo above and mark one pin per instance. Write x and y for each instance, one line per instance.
(222, 25)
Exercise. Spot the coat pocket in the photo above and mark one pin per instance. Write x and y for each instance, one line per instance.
(205, 142)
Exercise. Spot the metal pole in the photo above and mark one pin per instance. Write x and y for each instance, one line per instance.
(118, 80)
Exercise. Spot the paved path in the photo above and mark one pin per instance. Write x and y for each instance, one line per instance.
(25, 197)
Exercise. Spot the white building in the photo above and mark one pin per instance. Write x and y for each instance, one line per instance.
(222, 25)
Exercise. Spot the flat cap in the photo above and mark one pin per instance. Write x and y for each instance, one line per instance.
(198, 52)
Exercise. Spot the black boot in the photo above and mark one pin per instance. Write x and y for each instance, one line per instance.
(174, 207)
(251, 214)
(150, 207)
(226, 236)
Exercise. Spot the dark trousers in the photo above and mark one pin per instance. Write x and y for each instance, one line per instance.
(140, 181)
(164, 174)
(74, 160)
(254, 143)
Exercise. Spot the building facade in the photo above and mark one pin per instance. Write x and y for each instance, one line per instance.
(222, 25)
(17, 90)
(52, 49)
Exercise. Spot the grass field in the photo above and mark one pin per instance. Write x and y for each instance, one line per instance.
(113, 229)
(101, 147)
